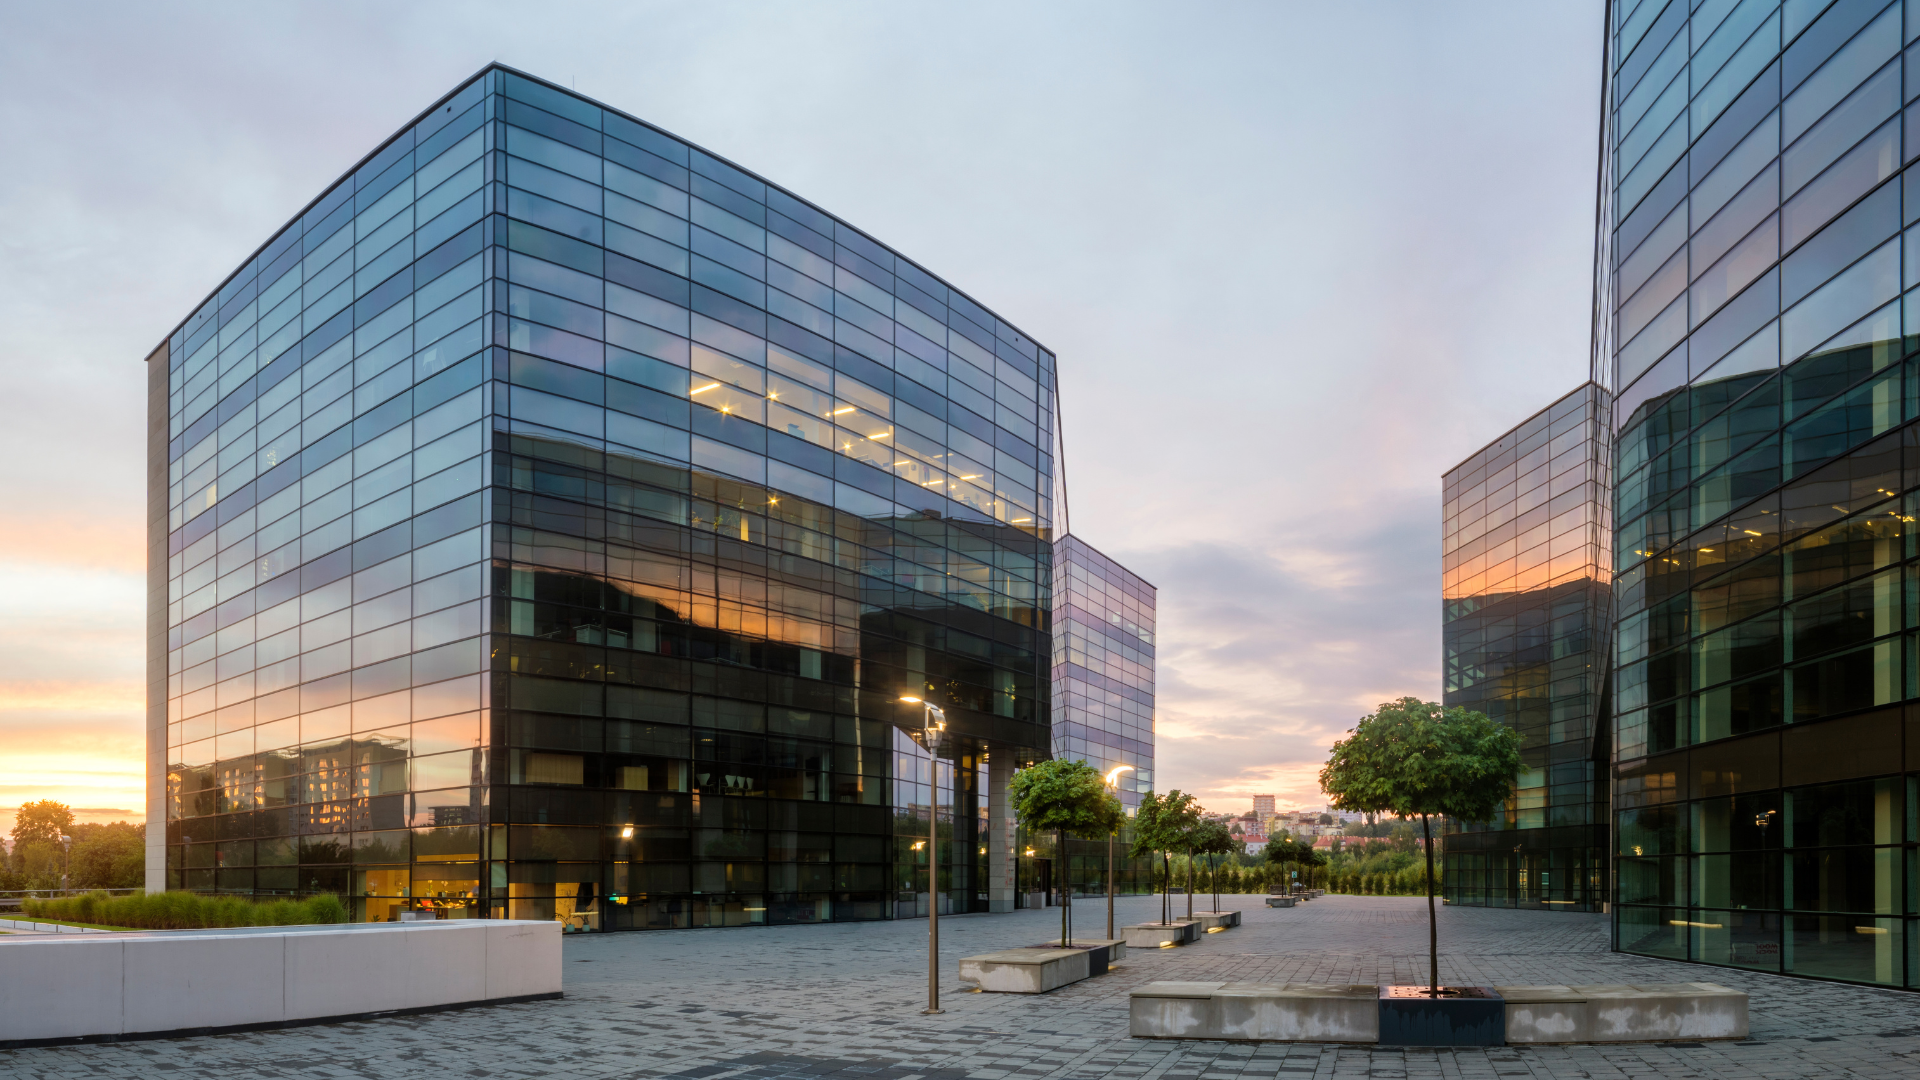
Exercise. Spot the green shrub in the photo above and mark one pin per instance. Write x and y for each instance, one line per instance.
(188, 911)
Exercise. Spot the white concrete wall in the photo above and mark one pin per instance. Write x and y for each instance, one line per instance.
(81, 985)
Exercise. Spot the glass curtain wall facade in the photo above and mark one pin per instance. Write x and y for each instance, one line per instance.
(1103, 664)
(547, 522)
(1526, 571)
(1757, 332)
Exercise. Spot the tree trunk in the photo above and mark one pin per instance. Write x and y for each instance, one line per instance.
(1433, 926)
(1066, 890)
(1166, 887)
(1189, 884)
(1216, 886)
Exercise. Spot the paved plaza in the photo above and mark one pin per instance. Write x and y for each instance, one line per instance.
(843, 1002)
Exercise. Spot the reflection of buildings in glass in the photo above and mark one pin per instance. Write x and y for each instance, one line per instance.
(1103, 665)
(1525, 583)
(1758, 343)
(551, 517)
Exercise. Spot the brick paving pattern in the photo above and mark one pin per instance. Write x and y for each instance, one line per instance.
(843, 1002)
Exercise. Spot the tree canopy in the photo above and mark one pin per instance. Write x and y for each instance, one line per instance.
(41, 822)
(1414, 757)
(1065, 796)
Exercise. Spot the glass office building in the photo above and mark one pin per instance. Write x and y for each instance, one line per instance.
(546, 523)
(1526, 571)
(1754, 323)
(1103, 666)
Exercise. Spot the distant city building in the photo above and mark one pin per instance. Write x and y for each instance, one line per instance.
(1103, 665)
(1263, 804)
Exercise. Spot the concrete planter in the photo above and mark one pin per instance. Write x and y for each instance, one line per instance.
(1027, 971)
(1281, 901)
(1467, 1016)
(1217, 920)
(147, 984)
(1154, 935)
(1116, 948)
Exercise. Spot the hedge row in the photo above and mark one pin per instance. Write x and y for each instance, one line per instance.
(187, 911)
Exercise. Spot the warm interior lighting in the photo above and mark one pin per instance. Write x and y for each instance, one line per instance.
(1750, 532)
(910, 700)
(626, 833)
(1871, 930)
(837, 412)
(704, 389)
(1029, 853)
(1700, 925)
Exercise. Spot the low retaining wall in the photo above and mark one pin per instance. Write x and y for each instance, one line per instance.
(146, 984)
(1299, 1012)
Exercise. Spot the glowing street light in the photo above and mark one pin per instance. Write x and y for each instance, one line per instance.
(1113, 785)
(933, 726)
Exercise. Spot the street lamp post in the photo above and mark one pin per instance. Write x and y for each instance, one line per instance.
(66, 870)
(933, 725)
(1113, 784)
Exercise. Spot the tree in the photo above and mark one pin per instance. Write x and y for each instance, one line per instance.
(42, 822)
(1415, 758)
(1065, 797)
(1287, 852)
(109, 856)
(1212, 838)
(1160, 825)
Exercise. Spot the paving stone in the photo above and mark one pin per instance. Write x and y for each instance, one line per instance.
(842, 1002)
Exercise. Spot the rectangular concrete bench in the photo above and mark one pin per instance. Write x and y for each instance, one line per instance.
(1300, 1012)
(1116, 948)
(1290, 1012)
(1157, 935)
(1025, 971)
(1281, 901)
(1620, 1013)
(1217, 920)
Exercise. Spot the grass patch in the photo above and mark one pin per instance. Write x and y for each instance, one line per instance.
(185, 911)
(69, 922)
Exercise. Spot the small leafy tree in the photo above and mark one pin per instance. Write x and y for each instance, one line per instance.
(1065, 797)
(1159, 826)
(1415, 758)
(1287, 852)
(1212, 839)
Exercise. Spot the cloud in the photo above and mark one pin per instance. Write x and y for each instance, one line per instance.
(1268, 653)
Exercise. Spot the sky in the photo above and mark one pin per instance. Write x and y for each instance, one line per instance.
(1296, 260)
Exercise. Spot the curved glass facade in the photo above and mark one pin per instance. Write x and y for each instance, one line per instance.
(547, 522)
(1759, 336)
